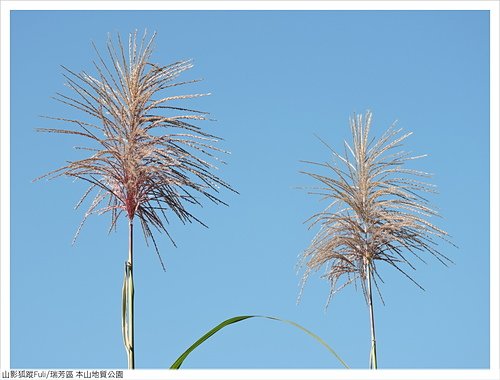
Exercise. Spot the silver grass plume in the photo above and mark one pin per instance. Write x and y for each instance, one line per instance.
(377, 213)
(147, 157)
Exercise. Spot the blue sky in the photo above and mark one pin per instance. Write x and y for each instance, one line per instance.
(276, 78)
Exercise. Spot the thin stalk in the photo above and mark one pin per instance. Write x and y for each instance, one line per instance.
(130, 296)
(373, 350)
(128, 303)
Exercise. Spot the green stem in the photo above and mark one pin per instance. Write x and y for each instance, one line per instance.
(128, 303)
(373, 350)
(130, 296)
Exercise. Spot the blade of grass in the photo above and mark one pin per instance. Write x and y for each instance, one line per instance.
(177, 364)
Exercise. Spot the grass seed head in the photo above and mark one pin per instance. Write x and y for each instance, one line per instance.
(377, 210)
(147, 159)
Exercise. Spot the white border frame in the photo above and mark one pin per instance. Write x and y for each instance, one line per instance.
(492, 5)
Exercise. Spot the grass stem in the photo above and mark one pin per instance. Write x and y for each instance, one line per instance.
(130, 296)
(373, 350)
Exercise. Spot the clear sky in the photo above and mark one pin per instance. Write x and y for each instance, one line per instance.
(277, 78)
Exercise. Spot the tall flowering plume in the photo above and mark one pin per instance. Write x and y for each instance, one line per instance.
(377, 213)
(148, 159)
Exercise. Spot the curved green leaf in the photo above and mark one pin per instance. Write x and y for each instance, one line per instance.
(177, 364)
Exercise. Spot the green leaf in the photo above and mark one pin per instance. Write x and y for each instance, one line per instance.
(177, 364)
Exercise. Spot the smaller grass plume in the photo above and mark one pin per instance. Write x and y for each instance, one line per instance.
(377, 213)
